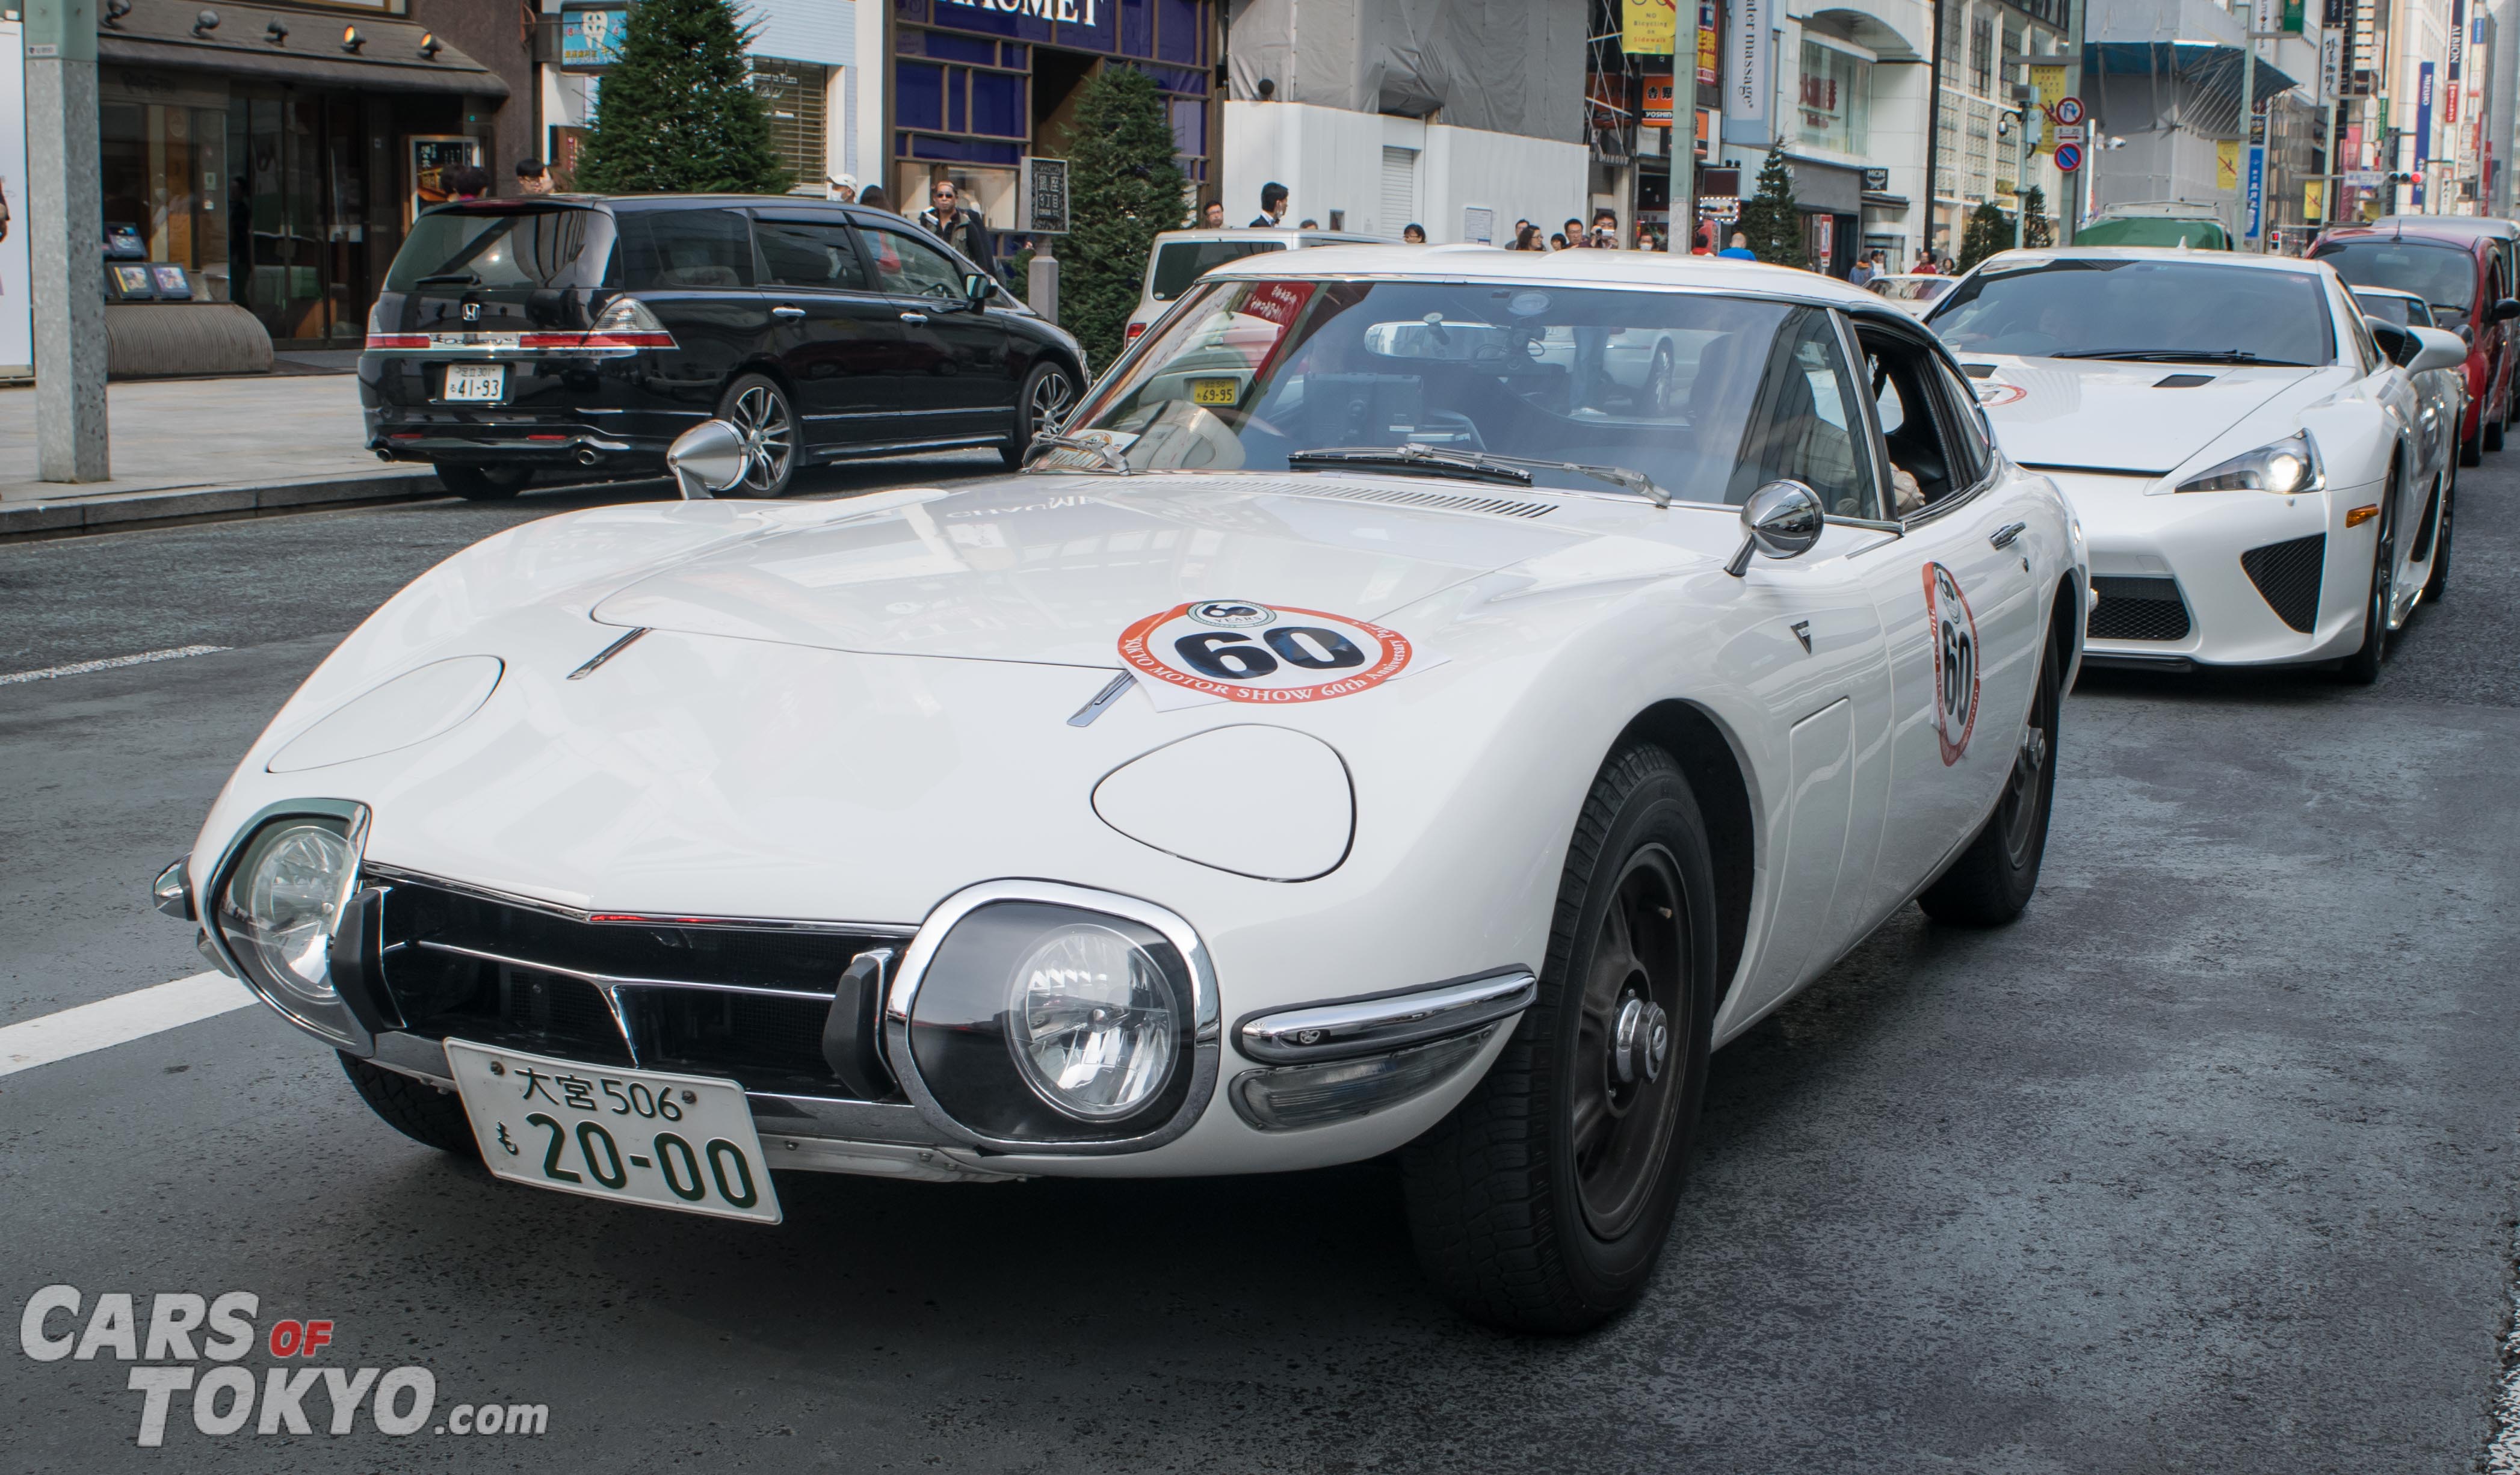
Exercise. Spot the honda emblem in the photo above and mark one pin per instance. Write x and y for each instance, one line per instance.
(471, 312)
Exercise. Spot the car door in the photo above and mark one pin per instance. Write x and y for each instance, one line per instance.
(834, 335)
(959, 368)
(1960, 620)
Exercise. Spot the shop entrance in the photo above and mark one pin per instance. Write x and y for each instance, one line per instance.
(315, 184)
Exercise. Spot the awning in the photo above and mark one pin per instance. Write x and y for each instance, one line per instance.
(2213, 68)
(306, 48)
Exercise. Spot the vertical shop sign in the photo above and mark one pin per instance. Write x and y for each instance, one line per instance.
(1707, 59)
(16, 280)
(1749, 74)
(2423, 128)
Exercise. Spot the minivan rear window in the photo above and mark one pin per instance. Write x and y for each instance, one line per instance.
(687, 248)
(1178, 263)
(549, 246)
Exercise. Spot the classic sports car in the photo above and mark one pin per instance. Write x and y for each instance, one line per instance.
(1366, 742)
(2245, 450)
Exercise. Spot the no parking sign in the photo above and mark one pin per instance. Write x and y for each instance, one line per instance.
(2069, 156)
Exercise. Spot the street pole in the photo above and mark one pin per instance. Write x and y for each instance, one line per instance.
(2021, 178)
(2249, 126)
(1933, 131)
(65, 213)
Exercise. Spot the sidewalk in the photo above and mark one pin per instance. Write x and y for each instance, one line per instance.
(194, 448)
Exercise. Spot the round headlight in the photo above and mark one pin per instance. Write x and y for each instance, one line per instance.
(283, 901)
(1094, 1030)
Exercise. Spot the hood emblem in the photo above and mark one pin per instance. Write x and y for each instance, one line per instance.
(1802, 632)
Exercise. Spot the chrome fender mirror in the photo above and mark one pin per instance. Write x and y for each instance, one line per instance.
(1782, 520)
(706, 459)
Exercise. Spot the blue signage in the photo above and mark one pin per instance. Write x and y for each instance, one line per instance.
(2423, 128)
(2255, 191)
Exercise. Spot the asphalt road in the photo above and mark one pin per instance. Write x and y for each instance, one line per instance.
(2207, 1164)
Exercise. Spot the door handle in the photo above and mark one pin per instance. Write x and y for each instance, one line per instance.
(2003, 536)
(787, 312)
(914, 317)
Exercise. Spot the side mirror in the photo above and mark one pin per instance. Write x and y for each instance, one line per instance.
(978, 288)
(707, 458)
(2395, 341)
(2435, 350)
(1782, 520)
(2507, 309)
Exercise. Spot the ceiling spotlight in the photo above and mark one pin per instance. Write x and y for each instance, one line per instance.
(351, 40)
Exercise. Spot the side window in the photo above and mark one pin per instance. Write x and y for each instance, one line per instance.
(910, 267)
(2366, 348)
(689, 249)
(1930, 425)
(1807, 424)
(1970, 434)
(809, 253)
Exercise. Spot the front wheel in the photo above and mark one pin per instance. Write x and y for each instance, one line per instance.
(760, 413)
(1992, 882)
(2362, 667)
(417, 1110)
(2437, 582)
(485, 483)
(1543, 1202)
(1048, 391)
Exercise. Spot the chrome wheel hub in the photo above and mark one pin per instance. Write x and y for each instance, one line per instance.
(1642, 1042)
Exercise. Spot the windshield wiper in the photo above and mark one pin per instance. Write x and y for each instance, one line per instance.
(2179, 356)
(469, 279)
(1100, 448)
(1488, 465)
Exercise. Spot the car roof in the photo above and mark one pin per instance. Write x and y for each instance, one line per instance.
(1268, 233)
(2233, 260)
(2423, 232)
(2456, 225)
(1587, 268)
(2385, 291)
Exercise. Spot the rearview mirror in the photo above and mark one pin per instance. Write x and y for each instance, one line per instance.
(2394, 340)
(978, 288)
(706, 459)
(1782, 520)
(2507, 309)
(2435, 350)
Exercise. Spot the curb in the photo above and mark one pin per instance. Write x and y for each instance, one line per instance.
(70, 517)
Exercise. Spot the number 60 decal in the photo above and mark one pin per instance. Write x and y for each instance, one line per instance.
(1247, 652)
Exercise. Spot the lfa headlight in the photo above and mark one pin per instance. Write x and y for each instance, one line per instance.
(283, 901)
(1094, 1027)
(2286, 467)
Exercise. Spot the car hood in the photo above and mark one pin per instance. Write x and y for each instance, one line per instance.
(1051, 569)
(2111, 415)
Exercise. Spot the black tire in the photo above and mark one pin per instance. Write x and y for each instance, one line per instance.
(485, 483)
(2471, 449)
(763, 415)
(1049, 391)
(2492, 433)
(2437, 582)
(1994, 878)
(429, 1116)
(2362, 667)
(1525, 1218)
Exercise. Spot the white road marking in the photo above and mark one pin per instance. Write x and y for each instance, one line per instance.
(81, 668)
(120, 1020)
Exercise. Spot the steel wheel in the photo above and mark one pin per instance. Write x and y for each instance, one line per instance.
(1633, 1008)
(2018, 813)
(759, 414)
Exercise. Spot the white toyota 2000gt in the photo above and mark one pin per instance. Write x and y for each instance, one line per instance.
(2248, 454)
(1370, 725)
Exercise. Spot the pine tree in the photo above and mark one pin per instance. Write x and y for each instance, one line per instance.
(1770, 219)
(1124, 187)
(2036, 229)
(677, 112)
(1989, 230)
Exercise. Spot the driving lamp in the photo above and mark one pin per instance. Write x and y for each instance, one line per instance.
(2286, 467)
(282, 900)
(1092, 1024)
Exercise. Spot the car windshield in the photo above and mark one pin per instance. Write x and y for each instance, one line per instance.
(2443, 274)
(2139, 308)
(1177, 263)
(2390, 308)
(1255, 375)
(550, 246)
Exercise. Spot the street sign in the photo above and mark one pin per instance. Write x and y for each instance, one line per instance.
(2069, 156)
(2068, 110)
(2069, 133)
(1042, 197)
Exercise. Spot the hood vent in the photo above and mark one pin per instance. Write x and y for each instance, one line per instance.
(1977, 371)
(2182, 382)
(1456, 501)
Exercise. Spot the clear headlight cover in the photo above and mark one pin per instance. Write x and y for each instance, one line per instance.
(2286, 467)
(282, 899)
(1094, 1029)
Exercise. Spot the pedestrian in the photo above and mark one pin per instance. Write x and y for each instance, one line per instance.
(1527, 239)
(1558, 240)
(532, 178)
(1647, 241)
(840, 189)
(959, 228)
(873, 198)
(1273, 207)
(1309, 224)
(1740, 249)
(1924, 266)
(1575, 233)
(1414, 234)
(1861, 272)
(1605, 230)
(1520, 227)
(1213, 217)
(464, 182)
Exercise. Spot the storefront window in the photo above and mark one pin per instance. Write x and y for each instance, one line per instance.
(165, 173)
(1836, 99)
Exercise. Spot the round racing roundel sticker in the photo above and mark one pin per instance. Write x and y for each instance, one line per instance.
(1955, 637)
(1994, 395)
(1243, 650)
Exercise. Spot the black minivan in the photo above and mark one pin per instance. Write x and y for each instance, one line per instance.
(517, 334)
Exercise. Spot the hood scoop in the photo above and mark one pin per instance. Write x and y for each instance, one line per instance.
(1977, 371)
(2182, 382)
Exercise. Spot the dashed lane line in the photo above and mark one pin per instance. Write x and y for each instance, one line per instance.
(118, 1020)
(82, 667)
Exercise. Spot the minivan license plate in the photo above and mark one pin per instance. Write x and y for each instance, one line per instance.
(477, 381)
(669, 1141)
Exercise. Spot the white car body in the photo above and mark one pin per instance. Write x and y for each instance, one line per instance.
(2440, 395)
(1167, 278)
(2120, 437)
(1912, 292)
(867, 715)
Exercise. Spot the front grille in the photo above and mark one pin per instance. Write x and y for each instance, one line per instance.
(2287, 573)
(716, 999)
(2138, 609)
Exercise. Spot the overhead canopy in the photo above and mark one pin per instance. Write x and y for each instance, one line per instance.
(308, 49)
(2213, 68)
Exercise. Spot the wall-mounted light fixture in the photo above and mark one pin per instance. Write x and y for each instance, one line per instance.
(1267, 88)
(429, 45)
(206, 22)
(351, 40)
(276, 33)
(116, 10)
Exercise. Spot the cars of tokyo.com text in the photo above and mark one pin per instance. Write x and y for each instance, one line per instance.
(182, 1330)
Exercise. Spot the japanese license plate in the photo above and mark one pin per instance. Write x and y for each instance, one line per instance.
(477, 381)
(1214, 391)
(670, 1141)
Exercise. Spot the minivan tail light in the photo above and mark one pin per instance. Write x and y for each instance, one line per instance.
(626, 326)
(1136, 329)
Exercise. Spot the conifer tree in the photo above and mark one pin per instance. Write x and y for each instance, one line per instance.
(2036, 228)
(1124, 187)
(1770, 219)
(677, 114)
(1989, 230)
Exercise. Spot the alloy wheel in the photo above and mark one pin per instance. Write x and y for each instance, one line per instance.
(1051, 396)
(761, 418)
(1634, 1012)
